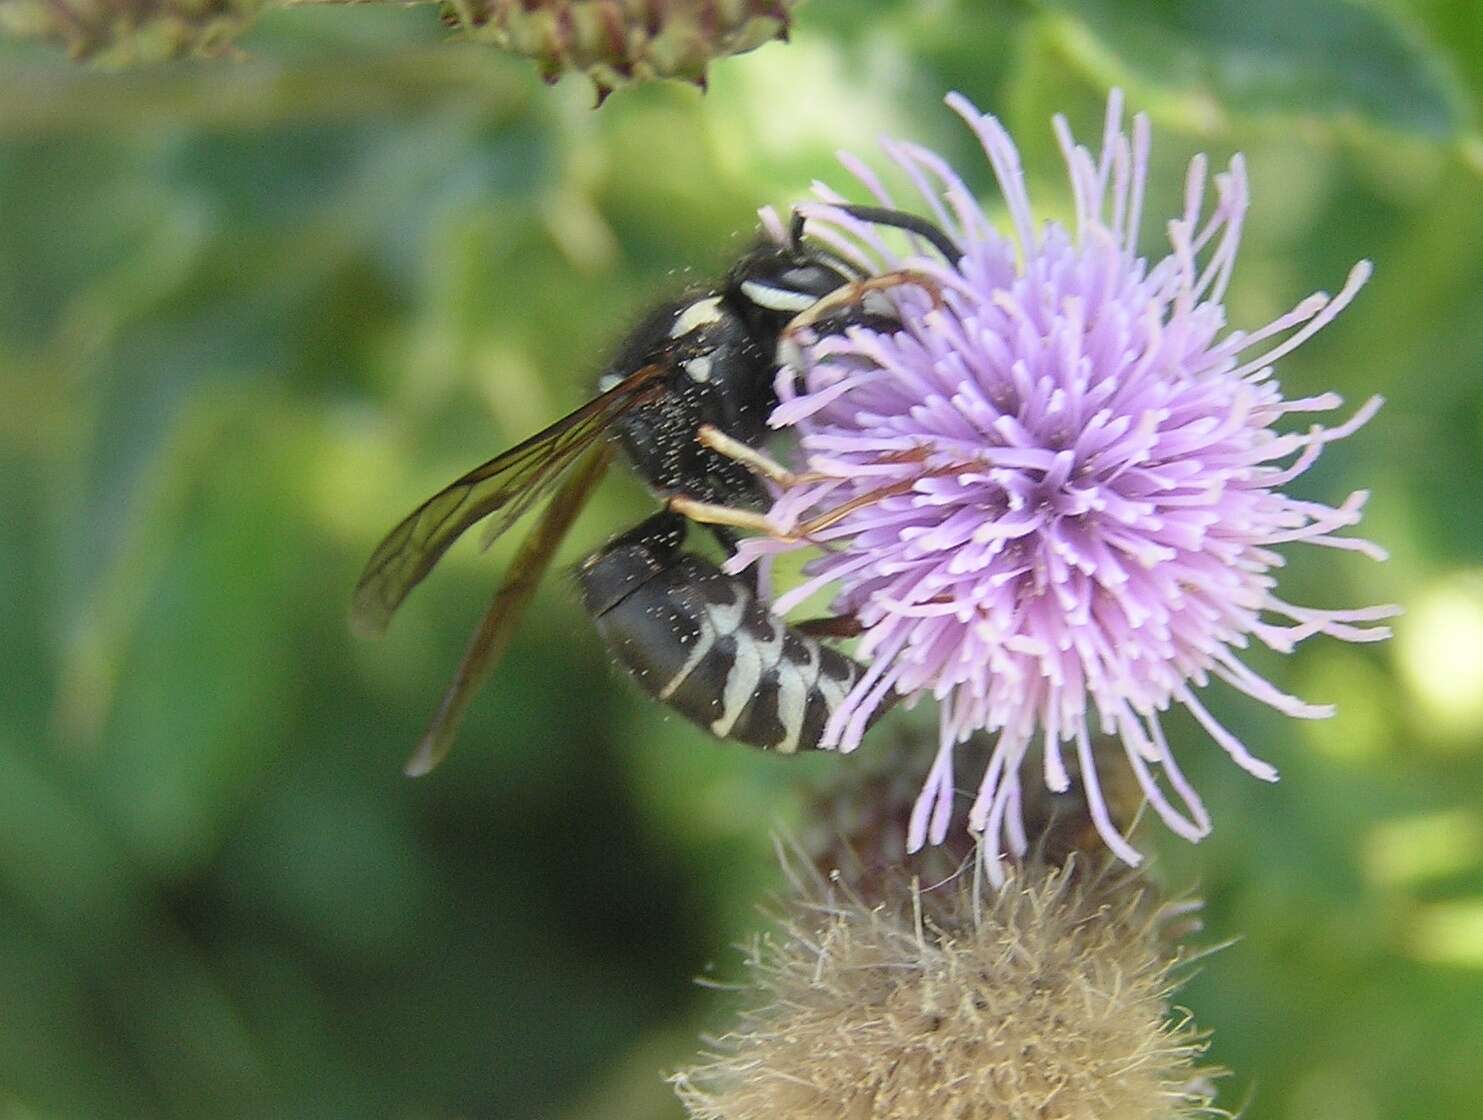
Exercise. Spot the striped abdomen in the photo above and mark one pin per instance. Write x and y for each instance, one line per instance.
(699, 641)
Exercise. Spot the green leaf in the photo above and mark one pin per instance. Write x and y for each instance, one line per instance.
(1456, 27)
(1303, 58)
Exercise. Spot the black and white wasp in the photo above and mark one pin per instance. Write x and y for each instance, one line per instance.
(687, 396)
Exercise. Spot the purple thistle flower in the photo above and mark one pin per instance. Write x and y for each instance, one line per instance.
(1051, 496)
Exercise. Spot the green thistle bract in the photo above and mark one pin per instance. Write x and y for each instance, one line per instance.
(616, 42)
(131, 32)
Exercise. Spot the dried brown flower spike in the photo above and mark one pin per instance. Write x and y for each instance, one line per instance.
(616, 42)
(1046, 1000)
(128, 32)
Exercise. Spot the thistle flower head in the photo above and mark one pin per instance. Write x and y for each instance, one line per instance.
(1051, 495)
(1046, 1000)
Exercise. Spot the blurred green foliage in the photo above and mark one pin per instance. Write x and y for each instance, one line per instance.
(250, 313)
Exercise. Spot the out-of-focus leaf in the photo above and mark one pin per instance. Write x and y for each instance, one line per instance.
(257, 93)
(112, 976)
(140, 32)
(1456, 27)
(1295, 58)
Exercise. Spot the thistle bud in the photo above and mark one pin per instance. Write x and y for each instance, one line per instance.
(126, 32)
(856, 822)
(616, 42)
(1046, 1000)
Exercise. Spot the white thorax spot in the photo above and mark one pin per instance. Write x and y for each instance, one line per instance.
(777, 299)
(701, 313)
(699, 369)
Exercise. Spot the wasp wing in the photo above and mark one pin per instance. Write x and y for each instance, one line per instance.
(507, 485)
(499, 621)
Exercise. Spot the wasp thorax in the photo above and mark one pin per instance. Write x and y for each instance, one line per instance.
(616, 42)
(123, 32)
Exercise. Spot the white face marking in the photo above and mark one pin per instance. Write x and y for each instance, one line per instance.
(701, 313)
(776, 299)
(699, 368)
(608, 381)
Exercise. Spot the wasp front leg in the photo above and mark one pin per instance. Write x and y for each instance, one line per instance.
(852, 300)
(702, 643)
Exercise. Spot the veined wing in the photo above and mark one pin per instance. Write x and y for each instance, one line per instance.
(507, 485)
(509, 603)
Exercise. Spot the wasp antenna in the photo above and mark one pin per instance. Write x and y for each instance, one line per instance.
(795, 228)
(911, 223)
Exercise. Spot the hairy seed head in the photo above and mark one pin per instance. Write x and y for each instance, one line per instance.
(1046, 1000)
